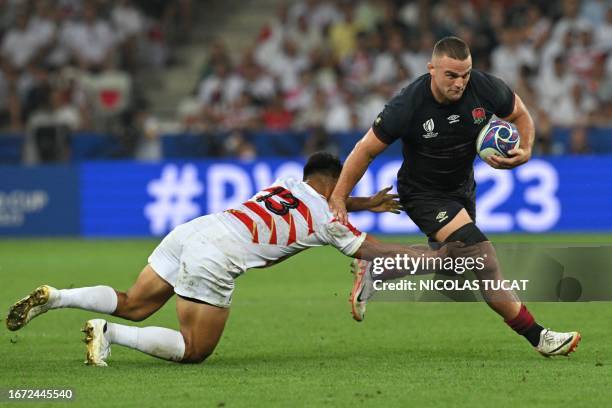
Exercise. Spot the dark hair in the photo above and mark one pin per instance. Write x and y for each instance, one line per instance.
(453, 47)
(323, 163)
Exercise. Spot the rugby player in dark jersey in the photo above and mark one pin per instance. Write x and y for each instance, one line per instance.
(437, 118)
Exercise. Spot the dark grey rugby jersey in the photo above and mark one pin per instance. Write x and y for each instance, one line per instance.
(439, 141)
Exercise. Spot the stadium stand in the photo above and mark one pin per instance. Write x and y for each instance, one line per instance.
(146, 81)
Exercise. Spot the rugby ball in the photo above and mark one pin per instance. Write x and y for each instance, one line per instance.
(497, 137)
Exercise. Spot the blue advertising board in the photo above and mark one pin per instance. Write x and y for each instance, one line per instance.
(40, 200)
(561, 194)
(544, 195)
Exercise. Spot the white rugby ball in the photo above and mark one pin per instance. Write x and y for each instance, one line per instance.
(497, 138)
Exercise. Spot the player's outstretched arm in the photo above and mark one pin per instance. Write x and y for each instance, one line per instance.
(524, 123)
(379, 202)
(354, 167)
(372, 248)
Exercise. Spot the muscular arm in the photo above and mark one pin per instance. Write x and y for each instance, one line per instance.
(382, 201)
(372, 248)
(357, 204)
(354, 167)
(524, 123)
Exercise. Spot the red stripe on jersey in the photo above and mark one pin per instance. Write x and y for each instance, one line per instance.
(350, 226)
(305, 212)
(292, 233)
(287, 217)
(248, 222)
(302, 208)
(291, 223)
(354, 230)
(273, 233)
(266, 217)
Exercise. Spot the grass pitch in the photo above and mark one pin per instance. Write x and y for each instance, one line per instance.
(290, 341)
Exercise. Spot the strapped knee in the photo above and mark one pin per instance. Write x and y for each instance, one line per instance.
(474, 244)
(469, 234)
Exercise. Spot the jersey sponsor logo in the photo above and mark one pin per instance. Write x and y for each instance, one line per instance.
(479, 115)
(441, 216)
(429, 127)
(453, 119)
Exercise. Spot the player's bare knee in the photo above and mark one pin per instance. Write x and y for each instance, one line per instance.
(486, 265)
(195, 357)
(195, 353)
(469, 242)
(490, 266)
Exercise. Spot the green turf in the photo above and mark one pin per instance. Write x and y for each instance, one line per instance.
(290, 341)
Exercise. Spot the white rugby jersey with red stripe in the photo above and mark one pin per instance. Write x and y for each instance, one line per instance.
(280, 221)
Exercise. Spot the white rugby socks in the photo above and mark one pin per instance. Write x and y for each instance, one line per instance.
(155, 341)
(101, 299)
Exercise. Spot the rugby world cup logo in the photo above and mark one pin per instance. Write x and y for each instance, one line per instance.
(479, 115)
(429, 127)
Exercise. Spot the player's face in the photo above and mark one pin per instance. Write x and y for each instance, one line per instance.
(449, 77)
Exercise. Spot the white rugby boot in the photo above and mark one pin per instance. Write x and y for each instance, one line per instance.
(98, 347)
(557, 344)
(35, 304)
(363, 288)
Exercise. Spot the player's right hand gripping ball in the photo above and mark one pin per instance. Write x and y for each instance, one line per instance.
(497, 137)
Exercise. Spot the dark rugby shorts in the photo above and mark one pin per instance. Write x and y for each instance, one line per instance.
(432, 211)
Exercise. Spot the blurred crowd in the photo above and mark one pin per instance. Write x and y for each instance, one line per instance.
(320, 66)
(330, 66)
(69, 65)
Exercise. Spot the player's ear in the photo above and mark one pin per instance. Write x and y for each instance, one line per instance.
(430, 68)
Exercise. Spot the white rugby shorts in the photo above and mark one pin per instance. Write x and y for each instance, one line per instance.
(188, 259)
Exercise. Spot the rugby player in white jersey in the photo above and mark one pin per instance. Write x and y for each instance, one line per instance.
(199, 261)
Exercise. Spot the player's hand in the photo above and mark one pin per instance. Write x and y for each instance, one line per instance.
(338, 208)
(384, 202)
(517, 156)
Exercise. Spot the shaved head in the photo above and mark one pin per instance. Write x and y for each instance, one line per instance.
(450, 68)
(452, 47)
